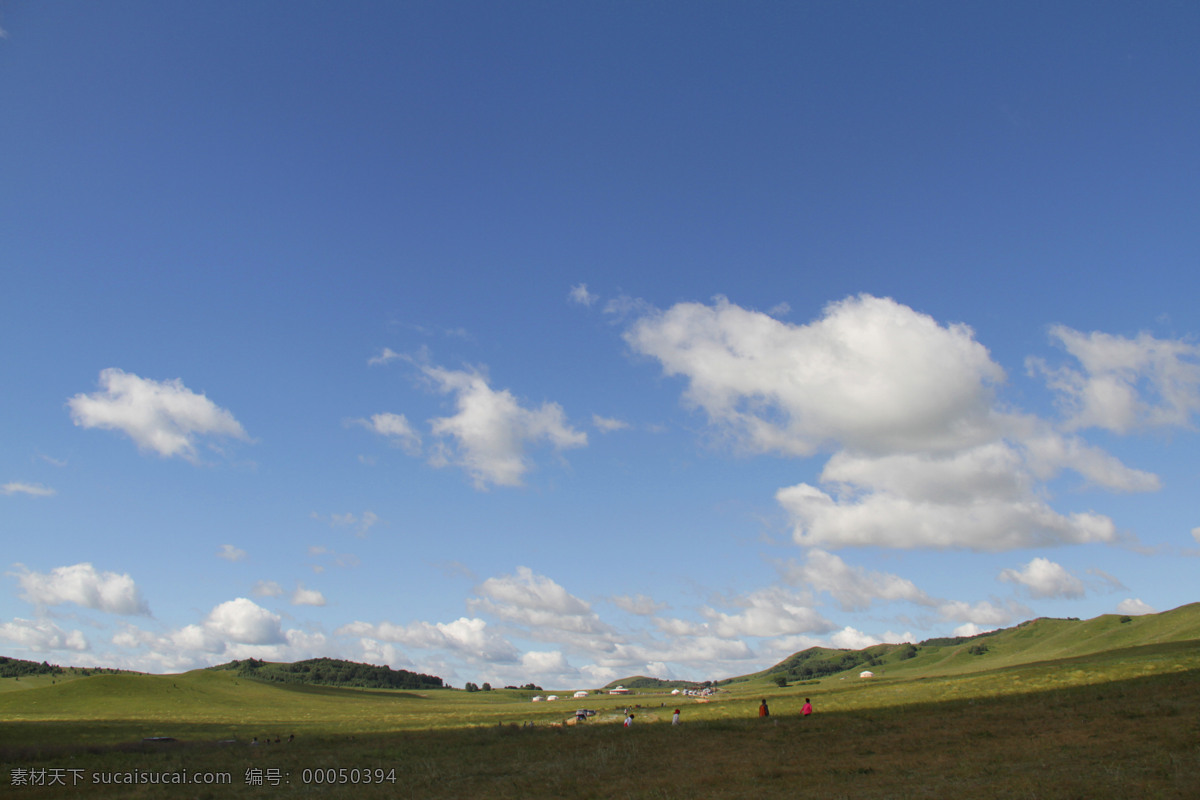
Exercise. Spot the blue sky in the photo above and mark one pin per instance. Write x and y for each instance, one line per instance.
(564, 342)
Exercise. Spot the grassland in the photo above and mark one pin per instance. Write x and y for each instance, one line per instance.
(1116, 722)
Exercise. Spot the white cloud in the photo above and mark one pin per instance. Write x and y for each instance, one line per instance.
(854, 588)
(165, 417)
(244, 622)
(385, 355)
(1196, 534)
(1044, 578)
(267, 589)
(1134, 607)
(466, 637)
(307, 597)
(362, 525)
(396, 428)
(1046, 453)
(42, 635)
(82, 585)
(852, 639)
(772, 611)
(1124, 383)
(921, 455)
(871, 375)
(490, 433)
(231, 553)
(638, 604)
(537, 602)
(607, 424)
(31, 489)
(980, 499)
(580, 294)
(545, 663)
(983, 613)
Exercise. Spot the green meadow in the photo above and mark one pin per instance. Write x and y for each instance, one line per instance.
(1104, 708)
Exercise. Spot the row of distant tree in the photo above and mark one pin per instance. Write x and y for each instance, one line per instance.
(16, 668)
(335, 672)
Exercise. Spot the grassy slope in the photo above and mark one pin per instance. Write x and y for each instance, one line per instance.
(216, 704)
(1118, 724)
(1052, 639)
(1031, 642)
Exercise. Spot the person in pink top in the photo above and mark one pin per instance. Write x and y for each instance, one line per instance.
(807, 709)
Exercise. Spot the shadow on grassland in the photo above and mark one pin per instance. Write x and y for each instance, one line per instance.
(1135, 737)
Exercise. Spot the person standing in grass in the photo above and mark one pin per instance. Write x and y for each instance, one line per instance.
(629, 721)
(675, 717)
(763, 711)
(807, 709)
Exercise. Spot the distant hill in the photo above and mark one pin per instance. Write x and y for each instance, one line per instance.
(332, 672)
(1042, 639)
(642, 682)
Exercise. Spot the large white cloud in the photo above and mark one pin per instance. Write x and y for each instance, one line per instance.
(1134, 607)
(469, 637)
(773, 611)
(1044, 578)
(235, 629)
(84, 586)
(42, 635)
(854, 588)
(979, 499)
(984, 615)
(1125, 383)
(922, 453)
(243, 621)
(539, 604)
(163, 416)
(490, 433)
(870, 374)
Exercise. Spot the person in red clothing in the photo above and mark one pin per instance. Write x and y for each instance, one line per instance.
(807, 709)
(763, 711)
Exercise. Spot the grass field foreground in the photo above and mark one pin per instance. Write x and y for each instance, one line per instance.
(1124, 723)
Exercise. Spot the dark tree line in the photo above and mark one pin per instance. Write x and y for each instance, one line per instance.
(335, 672)
(15, 668)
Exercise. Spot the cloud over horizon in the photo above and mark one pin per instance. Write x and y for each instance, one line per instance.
(922, 455)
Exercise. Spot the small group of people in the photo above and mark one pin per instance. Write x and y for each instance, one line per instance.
(805, 710)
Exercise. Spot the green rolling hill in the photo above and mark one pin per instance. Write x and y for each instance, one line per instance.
(224, 698)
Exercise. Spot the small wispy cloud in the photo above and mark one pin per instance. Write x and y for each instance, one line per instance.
(231, 553)
(267, 589)
(385, 355)
(31, 489)
(395, 428)
(361, 524)
(580, 294)
(608, 424)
